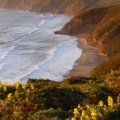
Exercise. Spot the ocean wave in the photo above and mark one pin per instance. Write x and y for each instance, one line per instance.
(31, 50)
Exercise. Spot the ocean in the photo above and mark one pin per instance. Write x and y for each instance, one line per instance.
(30, 49)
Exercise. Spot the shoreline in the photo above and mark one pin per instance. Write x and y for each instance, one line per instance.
(88, 60)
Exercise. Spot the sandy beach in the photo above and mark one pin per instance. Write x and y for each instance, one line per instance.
(89, 59)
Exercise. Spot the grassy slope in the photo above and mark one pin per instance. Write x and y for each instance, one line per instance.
(107, 36)
(107, 33)
(84, 22)
(104, 68)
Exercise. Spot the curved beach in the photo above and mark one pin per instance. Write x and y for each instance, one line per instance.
(88, 60)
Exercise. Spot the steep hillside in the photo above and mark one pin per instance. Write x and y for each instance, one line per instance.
(85, 21)
(107, 33)
(102, 25)
(107, 2)
(102, 28)
(104, 68)
(69, 7)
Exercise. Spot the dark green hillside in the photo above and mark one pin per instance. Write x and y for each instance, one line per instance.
(41, 99)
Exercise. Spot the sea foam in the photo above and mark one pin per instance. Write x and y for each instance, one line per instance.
(30, 49)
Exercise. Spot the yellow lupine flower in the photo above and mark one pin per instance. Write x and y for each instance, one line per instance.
(23, 86)
(83, 113)
(94, 118)
(87, 106)
(32, 87)
(101, 104)
(118, 99)
(9, 95)
(17, 84)
(110, 101)
(73, 118)
(93, 113)
(1, 84)
(5, 88)
(87, 117)
(76, 112)
(26, 99)
(79, 106)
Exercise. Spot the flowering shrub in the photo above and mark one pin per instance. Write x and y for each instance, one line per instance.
(98, 112)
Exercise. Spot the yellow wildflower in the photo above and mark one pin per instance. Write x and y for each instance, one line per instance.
(118, 99)
(79, 106)
(23, 86)
(93, 113)
(1, 84)
(83, 113)
(5, 88)
(73, 118)
(9, 95)
(87, 106)
(76, 112)
(32, 87)
(17, 84)
(110, 101)
(101, 104)
(26, 99)
(94, 118)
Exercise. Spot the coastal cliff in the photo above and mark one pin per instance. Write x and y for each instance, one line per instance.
(101, 27)
(68, 7)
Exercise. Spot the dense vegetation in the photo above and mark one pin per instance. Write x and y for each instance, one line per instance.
(41, 99)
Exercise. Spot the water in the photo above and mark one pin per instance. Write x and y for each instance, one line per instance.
(30, 49)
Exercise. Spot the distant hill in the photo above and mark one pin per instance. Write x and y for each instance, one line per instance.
(69, 7)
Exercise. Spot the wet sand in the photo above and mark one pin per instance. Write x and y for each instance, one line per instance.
(89, 59)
